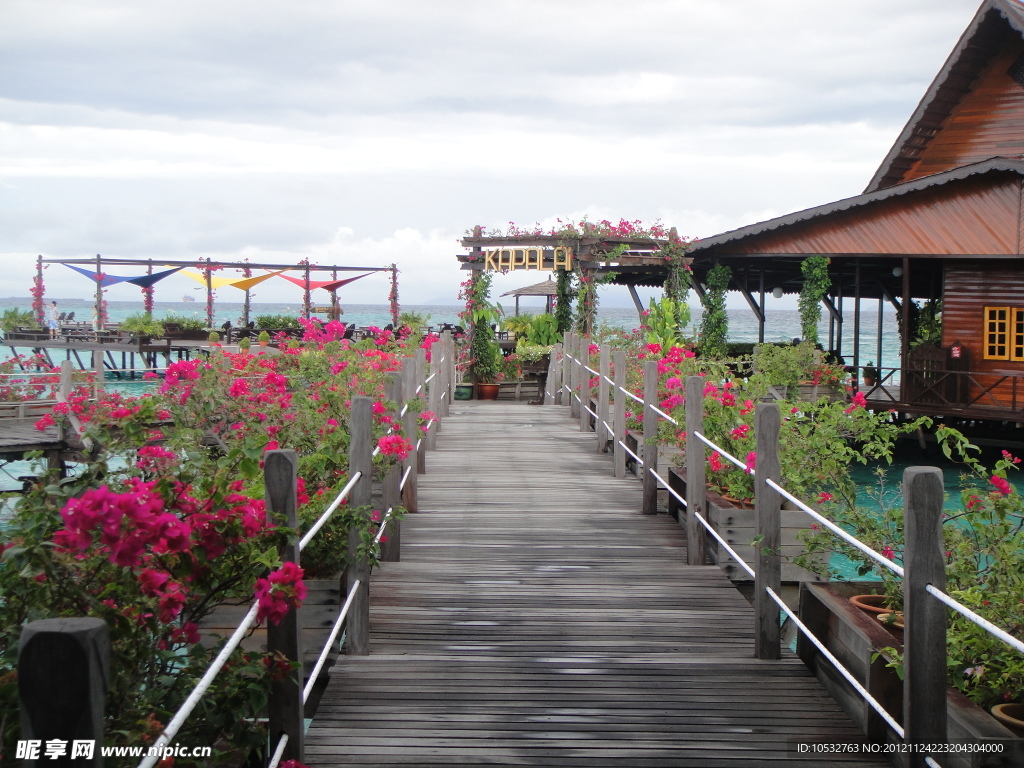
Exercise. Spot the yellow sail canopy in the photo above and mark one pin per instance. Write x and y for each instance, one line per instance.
(242, 283)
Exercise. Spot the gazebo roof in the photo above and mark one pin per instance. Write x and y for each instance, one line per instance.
(544, 288)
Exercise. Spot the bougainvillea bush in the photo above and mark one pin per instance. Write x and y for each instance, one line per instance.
(165, 521)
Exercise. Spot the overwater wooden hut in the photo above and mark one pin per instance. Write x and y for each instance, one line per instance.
(940, 221)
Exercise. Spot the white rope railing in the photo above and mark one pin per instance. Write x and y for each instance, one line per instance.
(625, 447)
(322, 520)
(328, 646)
(981, 621)
(848, 538)
(722, 452)
(275, 759)
(836, 663)
(197, 693)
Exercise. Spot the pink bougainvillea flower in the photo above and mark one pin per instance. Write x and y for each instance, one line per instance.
(715, 462)
(281, 591)
(1001, 484)
(395, 446)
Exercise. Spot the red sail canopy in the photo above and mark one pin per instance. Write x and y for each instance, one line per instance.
(330, 285)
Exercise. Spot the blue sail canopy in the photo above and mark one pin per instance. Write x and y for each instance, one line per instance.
(144, 281)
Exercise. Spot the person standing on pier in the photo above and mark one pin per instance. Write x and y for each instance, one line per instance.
(53, 319)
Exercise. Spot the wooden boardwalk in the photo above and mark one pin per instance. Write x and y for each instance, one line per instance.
(537, 618)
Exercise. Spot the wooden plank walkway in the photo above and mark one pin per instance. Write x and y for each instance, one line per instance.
(537, 618)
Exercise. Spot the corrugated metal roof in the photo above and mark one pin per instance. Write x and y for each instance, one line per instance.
(995, 165)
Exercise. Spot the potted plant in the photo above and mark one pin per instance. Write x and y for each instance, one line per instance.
(243, 344)
(870, 374)
(213, 338)
(263, 338)
(485, 363)
(142, 325)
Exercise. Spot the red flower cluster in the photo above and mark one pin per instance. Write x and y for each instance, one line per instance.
(280, 592)
(396, 446)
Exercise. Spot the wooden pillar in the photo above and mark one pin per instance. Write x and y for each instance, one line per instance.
(63, 670)
(447, 371)
(650, 451)
(924, 660)
(856, 322)
(567, 352)
(696, 498)
(553, 383)
(285, 707)
(768, 568)
(905, 312)
(420, 394)
(602, 432)
(360, 460)
(434, 395)
(584, 353)
(619, 426)
(391, 493)
(410, 495)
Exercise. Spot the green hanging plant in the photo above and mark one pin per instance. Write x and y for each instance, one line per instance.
(565, 294)
(816, 285)
(714, 325)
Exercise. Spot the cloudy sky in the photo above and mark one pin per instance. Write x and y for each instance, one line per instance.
(369, 132)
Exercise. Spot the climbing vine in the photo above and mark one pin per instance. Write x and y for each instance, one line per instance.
(565, 288)
(714, 324)
(816, 285)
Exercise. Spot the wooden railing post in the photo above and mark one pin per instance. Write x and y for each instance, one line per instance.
(410, 493)
(285, 708)
(584, 384)
(360, 459)
(63, 670)
(768, 570)
(650, 451)
(552, 384)
(447, 371)
(99, 371)
(566, 382)
(391, 493)
(604, 368)
(924, 659)
(574, 374)
(434, 397)
(67, 368)
(420, 392)
(619, 417)
(696, 498)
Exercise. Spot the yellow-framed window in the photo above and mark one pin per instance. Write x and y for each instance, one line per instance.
(997, 333)
(1017, 335)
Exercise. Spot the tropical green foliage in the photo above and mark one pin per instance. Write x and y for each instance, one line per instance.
(815, 286)
(141, 324)
(714, 326)
(664, 322)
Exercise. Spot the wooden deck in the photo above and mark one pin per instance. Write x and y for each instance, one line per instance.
(537, 618)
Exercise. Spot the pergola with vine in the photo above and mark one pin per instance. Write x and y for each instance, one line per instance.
(623, 254)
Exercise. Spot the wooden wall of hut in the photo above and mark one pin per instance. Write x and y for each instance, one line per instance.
(969, 287)
(985, 123)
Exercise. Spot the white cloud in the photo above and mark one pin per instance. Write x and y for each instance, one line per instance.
(382, 130)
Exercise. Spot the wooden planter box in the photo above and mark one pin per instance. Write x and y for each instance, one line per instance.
(854, 637)
(738, 526)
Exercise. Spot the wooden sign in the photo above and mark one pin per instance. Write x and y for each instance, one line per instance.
(511, 259)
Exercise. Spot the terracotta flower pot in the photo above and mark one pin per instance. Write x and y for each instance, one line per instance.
(872, 604)
(1011, 715)
(487, 391)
